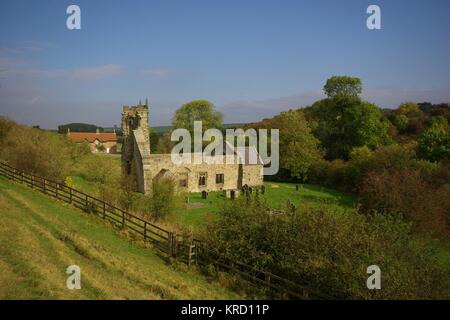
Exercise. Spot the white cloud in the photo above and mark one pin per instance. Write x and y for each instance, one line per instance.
(17, 68)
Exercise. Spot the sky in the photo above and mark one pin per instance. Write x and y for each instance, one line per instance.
(251, 58)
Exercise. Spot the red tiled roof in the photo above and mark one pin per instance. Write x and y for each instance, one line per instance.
(92, 136)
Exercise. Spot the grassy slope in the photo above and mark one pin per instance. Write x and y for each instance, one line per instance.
(40, 237)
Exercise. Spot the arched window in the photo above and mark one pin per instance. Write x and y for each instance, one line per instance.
(202, 179)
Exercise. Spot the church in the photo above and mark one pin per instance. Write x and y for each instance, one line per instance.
(137, 161)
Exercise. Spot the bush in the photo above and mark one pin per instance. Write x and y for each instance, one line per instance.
(404, 192)
(329, 174)
(434, 144)
(36, 151)
(164, 198)
(346, 175)
(128, 197)
(328, 252)
(68, 182)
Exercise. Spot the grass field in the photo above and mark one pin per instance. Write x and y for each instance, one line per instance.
(277, 194)
(40, 237)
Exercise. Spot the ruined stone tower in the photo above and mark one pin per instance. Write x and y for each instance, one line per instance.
(143, 167)
(136, 145)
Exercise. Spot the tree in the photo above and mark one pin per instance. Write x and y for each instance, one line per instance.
(164, 144)
(197, 110)
(345, 122)
(408, 118)
(298, 147)
(409, 109)
(338, 86)
(405, 193)
(154, 139)
(78, 127)
(434, 143)
(402, 122)
(326, 250)
(164, 197)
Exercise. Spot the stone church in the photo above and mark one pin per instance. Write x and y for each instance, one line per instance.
(138, 162)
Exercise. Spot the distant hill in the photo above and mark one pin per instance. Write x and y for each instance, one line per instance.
(164, 129)
(78, 127)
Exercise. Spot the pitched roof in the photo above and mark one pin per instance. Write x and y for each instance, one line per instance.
(92, 136)
(249, 155)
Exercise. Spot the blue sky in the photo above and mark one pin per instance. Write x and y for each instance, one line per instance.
(251, 58)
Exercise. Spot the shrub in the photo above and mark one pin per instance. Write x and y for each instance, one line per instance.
(164, 198)
(404, 192)
(434, 143)
(68, 182)
(329, 174)
(346, 175)
(328, 252)
(402, 122)
(36, 151)
(127, 196)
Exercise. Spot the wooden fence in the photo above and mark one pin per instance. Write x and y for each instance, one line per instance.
(159, 237)
(173, 245)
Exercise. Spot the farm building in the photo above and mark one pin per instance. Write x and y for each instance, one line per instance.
(103, 142)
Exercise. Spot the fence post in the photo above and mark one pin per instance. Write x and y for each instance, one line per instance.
(192, 254)
(196, 253)
(189, 257)
(56, 189)
(170, 250)
(145, 231)
(32, 181)
(87, 203)
(70, 195)
(45, 190)
(123, 219)
(267, 278)
(104, 210)
(174, 245)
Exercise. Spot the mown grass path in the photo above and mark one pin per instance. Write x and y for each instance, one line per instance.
(40, 237)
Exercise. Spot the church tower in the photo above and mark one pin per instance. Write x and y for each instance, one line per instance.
(136, 144)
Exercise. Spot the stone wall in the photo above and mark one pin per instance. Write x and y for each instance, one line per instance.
(136, 145)
(213, 175)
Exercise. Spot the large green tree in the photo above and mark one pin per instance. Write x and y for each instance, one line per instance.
(338, 86)
(434, 143)
(197, 110)
(409, 119)
(344, 121)
(299, 149)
